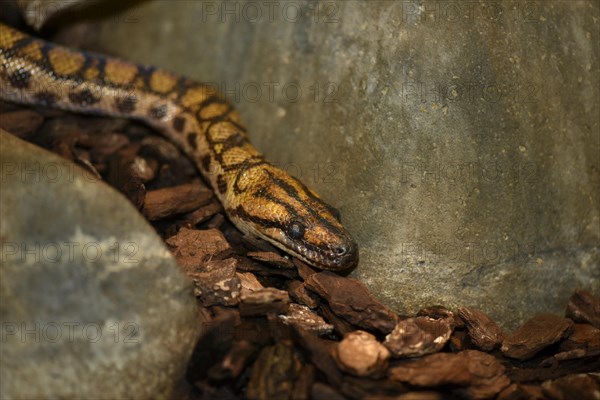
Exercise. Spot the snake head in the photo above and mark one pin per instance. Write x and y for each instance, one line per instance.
(283, 211)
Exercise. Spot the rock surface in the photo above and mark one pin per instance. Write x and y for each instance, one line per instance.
(459, 141)
(89, 295)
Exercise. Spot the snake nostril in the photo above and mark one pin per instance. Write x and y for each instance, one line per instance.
(340, 250)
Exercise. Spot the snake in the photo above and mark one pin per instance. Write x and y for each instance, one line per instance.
(260, 199)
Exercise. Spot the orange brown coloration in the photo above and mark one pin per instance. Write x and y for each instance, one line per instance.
(65, 61)
(260, 199)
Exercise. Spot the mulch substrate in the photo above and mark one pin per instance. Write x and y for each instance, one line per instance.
(275, 328)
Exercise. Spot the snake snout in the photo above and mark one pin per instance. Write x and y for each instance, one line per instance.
(346, 255)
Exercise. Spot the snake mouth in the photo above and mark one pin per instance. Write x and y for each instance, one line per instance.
(338, 257)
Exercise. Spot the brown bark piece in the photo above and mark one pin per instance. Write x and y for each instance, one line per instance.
(274, 372)
(517, 391)
(21, 123)
(372, 389)
(350, 299)
(584, 336)
(479, 375)
(304, 270)
(217, 283)
(304, 382)
(271, 258)
(534, 335)
(584, 341)
(582, 386)
(321, 391)
(340, 325)
(214, 343)
(203, 213)
(319, 353)
(441, 312)
(262, 302)
(239, 357)
(249, 281)
(424, 395)
(247, 265)
(300, 294)
(360, 354)
(483, 331)
(418, 336)
(583, 307)
(192, 248)
(162, 203)
(303, 317)
(123, 176)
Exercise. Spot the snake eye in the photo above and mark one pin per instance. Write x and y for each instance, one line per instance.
(296, 230)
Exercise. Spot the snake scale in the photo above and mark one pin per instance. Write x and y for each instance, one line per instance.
(261, 200)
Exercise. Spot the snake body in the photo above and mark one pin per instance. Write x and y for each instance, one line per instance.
(261, 200)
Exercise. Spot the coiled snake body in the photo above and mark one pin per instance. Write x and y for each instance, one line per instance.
(260, 199)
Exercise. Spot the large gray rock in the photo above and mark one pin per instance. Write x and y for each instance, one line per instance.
(461, 141)
(92, 304)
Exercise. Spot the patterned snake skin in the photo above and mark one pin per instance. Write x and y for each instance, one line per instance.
(260, 199)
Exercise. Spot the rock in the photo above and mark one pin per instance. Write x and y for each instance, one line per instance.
(414, 337)
(349, 299)
(480, 373)
(90, 295)
(483, 331)
(438, 146)
(534, 335)
(360, 354)
(583, 307)
(304, 318)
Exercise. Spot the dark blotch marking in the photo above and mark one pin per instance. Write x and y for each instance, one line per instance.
(84, 97)
(221, 184)
(158, 112)
(127, 104)
(191, 138)
(205, 163)
(20, 78)
(179, 123)
(46, 98)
